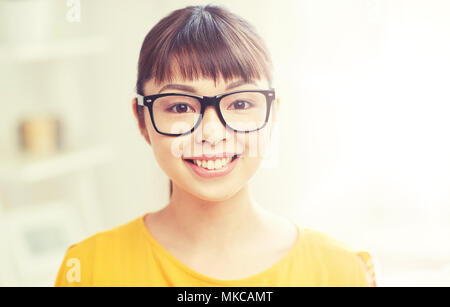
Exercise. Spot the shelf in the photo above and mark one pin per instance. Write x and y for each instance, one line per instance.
(58, 49)
(23, 169)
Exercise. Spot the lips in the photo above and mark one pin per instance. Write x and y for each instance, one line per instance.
(213, 156)
(210, 173)
(219, 157)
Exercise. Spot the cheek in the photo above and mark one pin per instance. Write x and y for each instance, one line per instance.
(257, 144)
(168, 152)
(168, 163)
(169, 147)
(249, 166)
(254, 145)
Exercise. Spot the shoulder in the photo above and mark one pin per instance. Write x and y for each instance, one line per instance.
(337, 263)
(107, 240)
(110, 238)
(97, 253)
(322, 241)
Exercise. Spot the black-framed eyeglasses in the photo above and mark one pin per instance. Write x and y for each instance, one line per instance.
(176, 114)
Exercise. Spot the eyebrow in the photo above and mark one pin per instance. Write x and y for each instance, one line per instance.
(181, 87)
(239, 83)
(188, 88)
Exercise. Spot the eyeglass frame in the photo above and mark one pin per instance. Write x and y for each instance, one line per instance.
(206, 101)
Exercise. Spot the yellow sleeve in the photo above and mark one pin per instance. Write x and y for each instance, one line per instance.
(368, 268)
(75, 270)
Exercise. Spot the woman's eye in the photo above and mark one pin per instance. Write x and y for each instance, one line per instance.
(180, 108)
(240, 105)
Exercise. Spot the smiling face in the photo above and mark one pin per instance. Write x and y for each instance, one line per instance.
(210, 137)
(196, 46)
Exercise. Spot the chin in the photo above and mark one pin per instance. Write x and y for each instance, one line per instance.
(214, 192)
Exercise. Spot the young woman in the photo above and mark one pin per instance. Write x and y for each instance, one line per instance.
(204, 92)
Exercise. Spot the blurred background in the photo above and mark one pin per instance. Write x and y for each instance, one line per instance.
(362, 150)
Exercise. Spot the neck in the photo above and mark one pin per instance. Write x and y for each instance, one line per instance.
(214, 224)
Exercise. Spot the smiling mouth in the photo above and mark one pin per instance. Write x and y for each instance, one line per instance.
(192, 161)
(212, 164)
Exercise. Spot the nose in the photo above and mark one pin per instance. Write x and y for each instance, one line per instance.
(212, 129)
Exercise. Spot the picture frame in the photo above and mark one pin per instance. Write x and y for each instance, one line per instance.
(37, 238)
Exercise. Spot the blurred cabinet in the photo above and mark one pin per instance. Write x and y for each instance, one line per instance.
(49, 202)
(46, 205)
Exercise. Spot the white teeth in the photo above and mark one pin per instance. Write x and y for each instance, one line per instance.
(210, 164)
(213, 164)
(218, 164)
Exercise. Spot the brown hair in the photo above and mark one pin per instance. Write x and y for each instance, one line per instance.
(202, 41)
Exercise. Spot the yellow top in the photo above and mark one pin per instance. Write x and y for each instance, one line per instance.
(128, 255)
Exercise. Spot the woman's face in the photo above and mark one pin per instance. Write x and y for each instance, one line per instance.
(210, 137)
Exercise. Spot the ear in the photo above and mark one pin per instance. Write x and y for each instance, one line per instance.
(277, 107)
(275, 114)
(139, 115)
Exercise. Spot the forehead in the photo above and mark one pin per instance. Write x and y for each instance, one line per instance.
(204, 86)
(201, 84)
